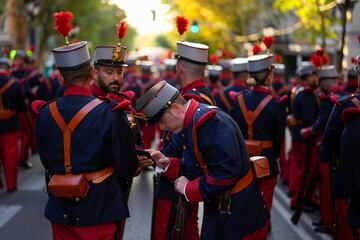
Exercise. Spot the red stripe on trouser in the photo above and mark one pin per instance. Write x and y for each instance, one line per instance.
(148, 134)
(25, 133)
(342, 228)
(326, 210)
(9, 147)
(284, 171)
(162, 215)
(297, 166)
(97, 232)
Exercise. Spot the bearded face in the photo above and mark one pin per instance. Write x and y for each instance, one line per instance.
(109, 79)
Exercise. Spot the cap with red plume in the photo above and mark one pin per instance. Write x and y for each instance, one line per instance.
(182, 25)
(278, 58)
(268, 41)
(256, 49)
(353, 60)
(319, 58)
(62, 24)
(121, 30)
(214, 59)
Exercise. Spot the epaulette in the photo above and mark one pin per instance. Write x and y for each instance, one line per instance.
(204, 118)
(282, 99)
(233, 94)
(349, 113)
(130, 95)
(124, 105)
(189, 96)
(38, 105)
(117, 102)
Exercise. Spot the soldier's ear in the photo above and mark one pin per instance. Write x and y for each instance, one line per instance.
(92, 73)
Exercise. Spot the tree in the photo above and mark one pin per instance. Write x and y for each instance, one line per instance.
(316, 20)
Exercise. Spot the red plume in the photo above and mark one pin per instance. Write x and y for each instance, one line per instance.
(231, 54)
(62, 22)
(316, 60)
(182, 24)
(320, 52)
(278, 58)
(223, 54)
(121, 29)
(214, 59)
(256, 49)
(325, 59)
(353, 60)
(268, 41)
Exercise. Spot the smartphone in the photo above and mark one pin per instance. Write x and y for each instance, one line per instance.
(143, 153)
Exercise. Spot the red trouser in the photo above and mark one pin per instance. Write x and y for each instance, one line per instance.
(297, 166)
(342, 228)
(148, 134)
(162, 215)
(25, 135)
(267, 187)
(97, 232)
(326, 209)
(284, 171)
(9, 147)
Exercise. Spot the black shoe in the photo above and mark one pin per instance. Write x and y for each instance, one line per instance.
(322, 229)
(317, 224)
(309, 208)
(26, 164)
(12, 190)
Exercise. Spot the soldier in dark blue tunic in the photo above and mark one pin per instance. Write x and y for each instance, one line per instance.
(12, 102)
(78, 134)
(214, 163)
(262, 119)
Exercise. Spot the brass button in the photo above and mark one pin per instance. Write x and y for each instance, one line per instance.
(65, 216)
(77, 219)
(77, 199)
(184, 147)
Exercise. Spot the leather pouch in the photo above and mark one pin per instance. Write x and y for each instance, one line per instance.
(260, 165)
(253, 147)
(68, 186)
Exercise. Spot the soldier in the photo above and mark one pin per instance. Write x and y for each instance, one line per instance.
(351, 85)
(265, 127)
(348, 170)
(213, 83)
(303, 153)
(331, 149)
(211, 169)
(78, 135)
(240, 75)
(12, 102)
(169, 74)
(190, 71)
(225, 77)
(20, 72)
(328, 79)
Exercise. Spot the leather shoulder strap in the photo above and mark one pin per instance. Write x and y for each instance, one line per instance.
(224, 100)
(356, 102)
(6, 86)
(250, 116)
(68, 129)
(208, 99)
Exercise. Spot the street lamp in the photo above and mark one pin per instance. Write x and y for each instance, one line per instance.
(345, 7)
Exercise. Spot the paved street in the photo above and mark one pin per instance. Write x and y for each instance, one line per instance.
(21, 213)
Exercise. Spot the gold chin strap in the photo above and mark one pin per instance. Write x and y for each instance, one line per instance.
(139, 115)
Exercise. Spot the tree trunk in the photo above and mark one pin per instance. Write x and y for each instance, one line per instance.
(17, 24)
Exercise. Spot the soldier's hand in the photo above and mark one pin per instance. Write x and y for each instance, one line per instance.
(180, 184)
(160, 159)
(145, 162)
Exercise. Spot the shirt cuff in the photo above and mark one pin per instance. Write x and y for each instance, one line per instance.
(184, 191)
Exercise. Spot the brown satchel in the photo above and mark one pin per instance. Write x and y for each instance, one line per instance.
(6, 113)
(260, 165)
(70, 185)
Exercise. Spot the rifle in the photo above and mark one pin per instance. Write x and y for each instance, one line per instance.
(179, 220)
(155, 184)
(224, 211)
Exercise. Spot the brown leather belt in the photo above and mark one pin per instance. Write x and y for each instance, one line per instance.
(243, 182)
(266, 144)
(91, 176)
